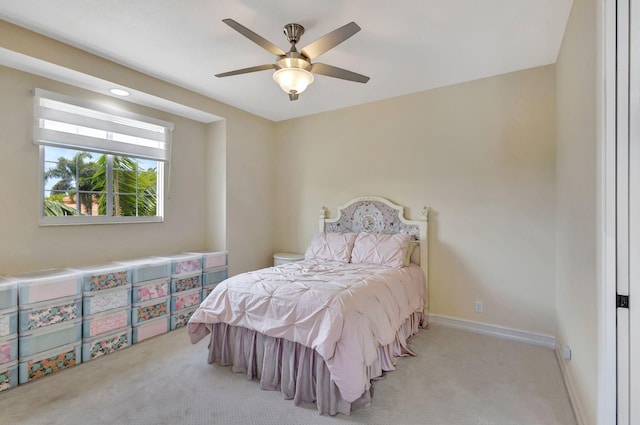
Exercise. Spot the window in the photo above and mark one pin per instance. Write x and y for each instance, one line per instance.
(99, 165)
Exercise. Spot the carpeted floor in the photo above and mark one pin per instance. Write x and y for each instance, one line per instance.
(458, 378)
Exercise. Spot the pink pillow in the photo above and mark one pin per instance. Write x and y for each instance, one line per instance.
(331, 246)
(385, 250)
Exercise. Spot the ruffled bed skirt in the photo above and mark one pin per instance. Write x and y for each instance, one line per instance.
(299, 372)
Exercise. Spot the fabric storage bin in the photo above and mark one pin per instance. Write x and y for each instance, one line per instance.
(107, 299)
(105, 344)
(213, 276)
(185, 263)
(48, 285)
(148, 310)
(8, 348)
(186, 282)
(186, 299)
(8, 292)
(150, 328)
(47, 338)
(8, 375)
(180, 318)
(151, 268)
(107, 276)
(38, 315)
(145, 291)
(8, 321)
(42, 364)
(105, 322)
(211, 259)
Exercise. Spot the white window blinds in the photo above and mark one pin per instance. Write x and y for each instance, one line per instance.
(67, 122)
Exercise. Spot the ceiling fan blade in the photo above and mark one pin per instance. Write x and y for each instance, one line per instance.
(247, 70)
(260, 41)
(335, 72)
(330, 40)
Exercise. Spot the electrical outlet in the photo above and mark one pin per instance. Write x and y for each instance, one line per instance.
(478, 307)
(566, 352)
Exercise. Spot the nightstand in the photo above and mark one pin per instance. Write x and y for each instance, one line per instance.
(286, 257)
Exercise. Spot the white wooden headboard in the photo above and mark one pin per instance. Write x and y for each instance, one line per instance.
(373, 214)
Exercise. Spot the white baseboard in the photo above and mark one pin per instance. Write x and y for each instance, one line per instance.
(568, 382)
(532, 338)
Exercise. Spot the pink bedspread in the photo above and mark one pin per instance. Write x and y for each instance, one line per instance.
(343, 311)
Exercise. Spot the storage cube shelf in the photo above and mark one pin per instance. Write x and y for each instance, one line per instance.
(211, 259)
(146, 269)
(150, 328)
(186, 299)
(213, 276)
(148, 290)
(185, 263)
(8, 292)
(8, 349)
(180, 318)
(108, 299)
(8, 321)
(101, 345)
(98, 278)
(48, 285)
(45, 313)
(8, 375)
(42, 364)
(105, 322)
(186, 282)
(49, 337)
(148, 310)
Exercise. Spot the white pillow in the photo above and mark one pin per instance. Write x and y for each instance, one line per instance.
(331, 246)
(385, 250)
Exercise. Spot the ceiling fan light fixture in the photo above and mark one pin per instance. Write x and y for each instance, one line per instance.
(293, 80)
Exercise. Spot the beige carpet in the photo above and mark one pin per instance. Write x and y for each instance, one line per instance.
(458, 378)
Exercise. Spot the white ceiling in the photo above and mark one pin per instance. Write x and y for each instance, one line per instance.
(405, 46)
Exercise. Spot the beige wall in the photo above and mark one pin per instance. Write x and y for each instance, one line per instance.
(229, 206)
(480, 154)
(576, 289)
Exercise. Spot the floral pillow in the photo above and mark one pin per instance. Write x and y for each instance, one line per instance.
(331, 246)
(384, 250)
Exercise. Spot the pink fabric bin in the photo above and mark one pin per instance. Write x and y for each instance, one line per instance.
(211, 259)
(150, 328)
(48, 285)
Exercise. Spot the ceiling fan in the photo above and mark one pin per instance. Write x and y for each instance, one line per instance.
(294, 70)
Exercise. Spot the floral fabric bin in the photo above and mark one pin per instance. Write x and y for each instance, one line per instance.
(8, 375)
(180, 318)
(46, 363)
(186, 282)
(106, 344)
(186, 299)
(38, 315)
(185, 263)
(99, 278)
(108, 299)
(105, 322)
(146, 291)
(148, 310)
(211, 259)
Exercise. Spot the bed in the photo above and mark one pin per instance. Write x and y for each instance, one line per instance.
(320, 330)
